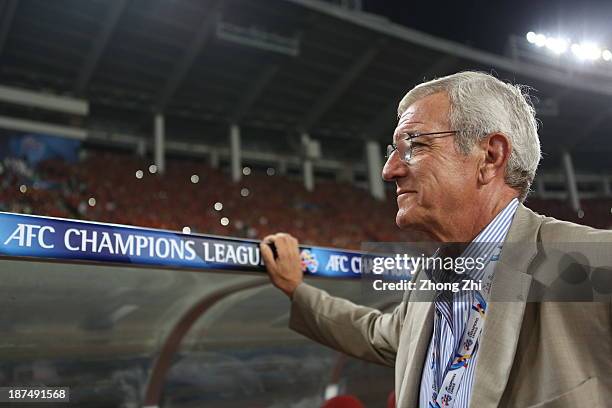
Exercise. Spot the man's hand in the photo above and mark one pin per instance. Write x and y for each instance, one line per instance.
(285, 270)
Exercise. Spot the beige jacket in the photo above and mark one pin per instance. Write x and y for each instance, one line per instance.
(531, 354)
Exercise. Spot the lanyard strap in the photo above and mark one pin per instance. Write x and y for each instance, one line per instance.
(444, 396)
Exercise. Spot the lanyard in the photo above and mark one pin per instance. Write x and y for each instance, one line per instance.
(444, 396)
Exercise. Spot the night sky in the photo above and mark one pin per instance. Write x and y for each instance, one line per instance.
(487, 24)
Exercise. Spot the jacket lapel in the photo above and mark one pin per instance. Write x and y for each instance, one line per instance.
(416, 335)
(509, 292)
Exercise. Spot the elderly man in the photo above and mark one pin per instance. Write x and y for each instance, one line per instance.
(464, 154)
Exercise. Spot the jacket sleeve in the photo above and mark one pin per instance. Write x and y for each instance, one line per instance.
(359, 331)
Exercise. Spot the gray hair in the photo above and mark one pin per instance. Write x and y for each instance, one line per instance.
(481, 104)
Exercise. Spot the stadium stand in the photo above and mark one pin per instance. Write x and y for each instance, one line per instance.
(172, 201)
(63, 190)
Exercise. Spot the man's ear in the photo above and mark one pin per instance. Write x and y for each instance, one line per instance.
(496, 148)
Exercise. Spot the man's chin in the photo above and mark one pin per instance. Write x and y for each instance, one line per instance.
(407, 221)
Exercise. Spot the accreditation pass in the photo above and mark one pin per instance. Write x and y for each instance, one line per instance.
(34, 394)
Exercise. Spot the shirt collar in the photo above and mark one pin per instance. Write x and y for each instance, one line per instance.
(483, 245)
(497, 229)
(493, 235)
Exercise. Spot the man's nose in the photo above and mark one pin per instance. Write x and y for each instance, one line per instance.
(394, 168)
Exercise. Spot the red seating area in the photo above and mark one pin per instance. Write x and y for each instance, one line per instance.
(596, 212)
(343, 401)
(338, 215)
(334, 215)
(34, 200)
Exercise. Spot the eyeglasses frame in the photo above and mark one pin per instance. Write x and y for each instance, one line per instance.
(392, 148)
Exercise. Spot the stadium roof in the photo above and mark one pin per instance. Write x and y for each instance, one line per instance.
(488, 25)
(276, 67)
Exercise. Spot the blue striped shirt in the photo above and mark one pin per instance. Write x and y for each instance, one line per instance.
(452, 312)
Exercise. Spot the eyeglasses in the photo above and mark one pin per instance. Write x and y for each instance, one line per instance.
(405, 146)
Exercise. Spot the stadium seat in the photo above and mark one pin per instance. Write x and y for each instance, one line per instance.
(343, 401)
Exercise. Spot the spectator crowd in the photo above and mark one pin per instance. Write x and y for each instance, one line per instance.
(114, 187)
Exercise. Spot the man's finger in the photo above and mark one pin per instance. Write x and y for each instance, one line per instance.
(284, 246)
(266, 253)
(269, 238)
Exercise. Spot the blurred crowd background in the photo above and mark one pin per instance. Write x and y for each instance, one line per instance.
(191, 196)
